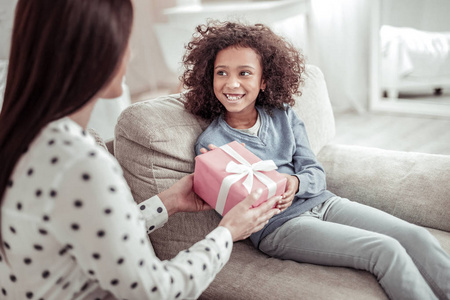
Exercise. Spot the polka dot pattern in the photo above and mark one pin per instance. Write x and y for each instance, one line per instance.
(87, 223)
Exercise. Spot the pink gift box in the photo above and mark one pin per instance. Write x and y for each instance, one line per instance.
(216, 177)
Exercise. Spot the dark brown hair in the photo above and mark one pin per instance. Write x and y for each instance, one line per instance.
(281, 62)
(62, 53)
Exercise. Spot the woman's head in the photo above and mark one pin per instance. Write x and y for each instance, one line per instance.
(63, 53)
(282, 65)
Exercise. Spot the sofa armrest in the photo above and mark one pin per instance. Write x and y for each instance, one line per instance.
(411, 186)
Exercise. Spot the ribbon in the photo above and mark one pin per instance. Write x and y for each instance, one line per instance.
(241, 170)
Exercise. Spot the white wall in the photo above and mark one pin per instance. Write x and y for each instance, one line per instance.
(429, 15)
(6, 21)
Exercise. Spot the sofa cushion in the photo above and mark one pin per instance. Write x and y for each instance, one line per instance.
(252, 275)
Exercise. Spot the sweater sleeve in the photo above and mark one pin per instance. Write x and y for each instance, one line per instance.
(306, 166)
(106, 233)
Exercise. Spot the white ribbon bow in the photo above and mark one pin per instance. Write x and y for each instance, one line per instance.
(241, 170)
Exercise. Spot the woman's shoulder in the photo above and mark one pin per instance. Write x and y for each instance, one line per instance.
(60, 153)
(63, 144)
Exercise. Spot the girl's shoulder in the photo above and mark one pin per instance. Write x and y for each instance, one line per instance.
(213, 126)
(287, 112)
(209, 135)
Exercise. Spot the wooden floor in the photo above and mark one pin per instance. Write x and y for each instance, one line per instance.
(394, 132)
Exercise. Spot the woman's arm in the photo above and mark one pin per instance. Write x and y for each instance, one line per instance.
(96, 215)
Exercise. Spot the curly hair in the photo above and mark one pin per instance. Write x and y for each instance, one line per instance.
(282, 66)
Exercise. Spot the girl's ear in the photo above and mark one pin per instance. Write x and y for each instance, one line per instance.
(263, 85)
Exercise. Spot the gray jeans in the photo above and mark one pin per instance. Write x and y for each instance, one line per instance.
(407, 260)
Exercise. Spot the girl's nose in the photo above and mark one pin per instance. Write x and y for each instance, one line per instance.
(233, 82)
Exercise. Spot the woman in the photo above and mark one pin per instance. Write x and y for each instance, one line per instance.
(69, 226)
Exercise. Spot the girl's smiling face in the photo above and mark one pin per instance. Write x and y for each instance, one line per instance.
(238, 79)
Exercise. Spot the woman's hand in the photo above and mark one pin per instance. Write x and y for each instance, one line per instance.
(292, 185)
(243, 220)
(181, 197)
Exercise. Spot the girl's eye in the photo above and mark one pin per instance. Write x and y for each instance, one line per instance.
(245, 73)
(221, 73)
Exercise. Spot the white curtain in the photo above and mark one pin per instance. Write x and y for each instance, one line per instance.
(341, 48)
(147, 70)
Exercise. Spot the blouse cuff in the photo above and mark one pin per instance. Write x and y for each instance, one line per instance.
(154, 213)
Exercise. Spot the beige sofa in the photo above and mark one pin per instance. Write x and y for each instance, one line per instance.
(154, 144)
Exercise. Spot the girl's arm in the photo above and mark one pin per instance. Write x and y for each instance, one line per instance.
(307, 168)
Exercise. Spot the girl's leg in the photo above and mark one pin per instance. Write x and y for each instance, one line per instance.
(309, 239)
(426, 252)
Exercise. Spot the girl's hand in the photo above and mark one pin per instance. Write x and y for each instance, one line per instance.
(181, 197)
(212, 147)
(243, 220)
(292, 185)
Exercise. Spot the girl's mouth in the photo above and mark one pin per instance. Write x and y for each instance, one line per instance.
(234, 97)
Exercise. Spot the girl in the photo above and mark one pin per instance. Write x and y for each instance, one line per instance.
(243, 78)
(69, 226)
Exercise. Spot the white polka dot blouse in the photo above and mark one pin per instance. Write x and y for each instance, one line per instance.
(71, 229)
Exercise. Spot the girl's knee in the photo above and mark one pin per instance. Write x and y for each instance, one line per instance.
(385, 250)
(386, 253)
(413, 236)
(421, 234)
(390, 246)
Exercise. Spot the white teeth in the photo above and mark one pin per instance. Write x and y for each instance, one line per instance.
(233, 98)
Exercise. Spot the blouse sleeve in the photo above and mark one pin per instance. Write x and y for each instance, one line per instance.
(106, 232)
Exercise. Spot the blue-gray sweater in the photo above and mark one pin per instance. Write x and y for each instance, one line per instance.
(282, 138)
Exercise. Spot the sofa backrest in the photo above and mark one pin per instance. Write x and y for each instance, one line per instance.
(154, 139)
